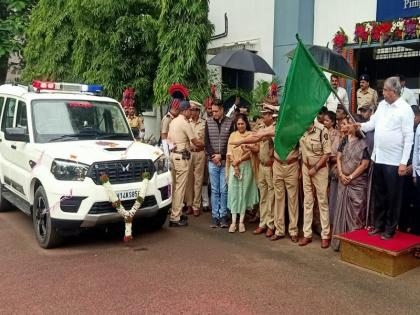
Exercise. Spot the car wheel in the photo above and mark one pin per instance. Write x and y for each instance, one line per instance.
(4, 204)
(45, 232)
(157, 221)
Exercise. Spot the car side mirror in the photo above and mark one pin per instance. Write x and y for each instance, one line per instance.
(17, 134)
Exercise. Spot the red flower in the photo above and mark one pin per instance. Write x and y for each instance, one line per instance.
(376, 32)
(397, 33)
(340, 40)
(361, 32)
(386, 28)
(128, 238)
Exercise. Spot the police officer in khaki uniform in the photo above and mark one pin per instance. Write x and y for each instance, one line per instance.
(265, 151)
(136, 123)
(315, 146)
(198, 162)
(365, 94)
(164, 130)
(180, 136)
(167, 119)
(286, 182)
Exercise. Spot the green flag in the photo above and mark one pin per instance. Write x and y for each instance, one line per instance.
(304, 94)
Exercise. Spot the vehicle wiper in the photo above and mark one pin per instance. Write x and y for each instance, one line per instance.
(114, 136)
(73, 136)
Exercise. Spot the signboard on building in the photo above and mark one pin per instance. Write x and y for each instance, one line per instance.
(394, 9)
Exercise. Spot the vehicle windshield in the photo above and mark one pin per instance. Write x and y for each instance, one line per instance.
(69, 120)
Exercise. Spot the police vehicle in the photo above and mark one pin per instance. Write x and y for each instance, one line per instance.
(56, 140)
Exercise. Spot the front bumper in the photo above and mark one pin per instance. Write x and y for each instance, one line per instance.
(93, 197)
(96, 220)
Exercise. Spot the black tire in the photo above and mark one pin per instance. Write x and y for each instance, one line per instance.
(159, 220)
(45, 232)
(4, 204)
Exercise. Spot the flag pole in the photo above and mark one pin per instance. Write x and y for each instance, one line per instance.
(346, 110)
(332, 90)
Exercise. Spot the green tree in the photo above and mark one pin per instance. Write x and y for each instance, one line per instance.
(184, 32)
(13, 20)
(50, 38)
(112, 43)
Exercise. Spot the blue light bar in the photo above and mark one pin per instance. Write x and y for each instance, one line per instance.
(92, 88)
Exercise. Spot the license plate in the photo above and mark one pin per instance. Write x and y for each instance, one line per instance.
(127, 194)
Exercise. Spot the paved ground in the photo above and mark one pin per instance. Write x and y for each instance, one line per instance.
(193, 270)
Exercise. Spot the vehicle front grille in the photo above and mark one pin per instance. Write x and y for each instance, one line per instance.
(106, 207)
(121, 171)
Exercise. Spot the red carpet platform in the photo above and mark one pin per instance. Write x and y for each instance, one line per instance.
(391, 257)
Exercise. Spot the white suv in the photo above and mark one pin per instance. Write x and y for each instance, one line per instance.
(56, 140)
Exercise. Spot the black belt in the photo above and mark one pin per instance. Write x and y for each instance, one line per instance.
(179, 152)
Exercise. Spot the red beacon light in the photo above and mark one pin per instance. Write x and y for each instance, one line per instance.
(43, 85)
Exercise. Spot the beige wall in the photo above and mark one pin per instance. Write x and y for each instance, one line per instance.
(251, 22)
(331, 14)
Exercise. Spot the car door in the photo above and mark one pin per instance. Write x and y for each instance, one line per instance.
(6, 151)
(22, 153)
(15, 154)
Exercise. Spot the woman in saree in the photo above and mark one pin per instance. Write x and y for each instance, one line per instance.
(352, 164)
(242, 187)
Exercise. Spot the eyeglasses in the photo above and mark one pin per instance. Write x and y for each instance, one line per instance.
(195, 109)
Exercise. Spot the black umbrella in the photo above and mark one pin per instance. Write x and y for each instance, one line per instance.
(329, 61)
(241, 59)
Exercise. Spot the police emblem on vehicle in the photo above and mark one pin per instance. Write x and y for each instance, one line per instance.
(125, 168)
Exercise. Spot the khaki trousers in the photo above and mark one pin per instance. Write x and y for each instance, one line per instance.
(180, 170)
(286, 179)
(315, 185)
(265, 184)
(195, 180)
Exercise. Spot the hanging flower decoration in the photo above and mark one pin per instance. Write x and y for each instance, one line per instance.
(382, 32)
(361, 34)
(127, 215)
(410, 27)
(340, 40)
(398, 29)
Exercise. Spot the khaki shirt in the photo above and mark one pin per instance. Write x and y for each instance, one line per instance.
(198, 129)
(136, 122)
(166, 121)
(257, 125)
(266, 147)
(368, 97)
(314, 144)
(180, 133)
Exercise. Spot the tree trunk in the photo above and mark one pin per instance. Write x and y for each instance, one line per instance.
(4, 67)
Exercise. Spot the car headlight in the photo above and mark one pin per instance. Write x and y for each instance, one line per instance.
(161, 164)
(69, 170)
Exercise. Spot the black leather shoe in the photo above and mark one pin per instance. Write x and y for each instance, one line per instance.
(179, 223)
(386, 236)
(374, 232)
(184, 217)
(206, 209)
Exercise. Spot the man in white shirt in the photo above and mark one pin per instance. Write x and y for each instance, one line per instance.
(415, 228)
(406, 93)
(332, 100)
(393, 125)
